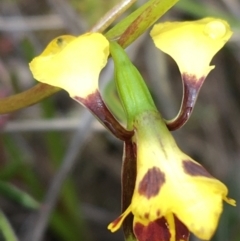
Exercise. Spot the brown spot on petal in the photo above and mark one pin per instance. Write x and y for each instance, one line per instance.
(146, 215)
(59, 41)
(195, 169)
(158, 213)
(154, 231)
(151, 183)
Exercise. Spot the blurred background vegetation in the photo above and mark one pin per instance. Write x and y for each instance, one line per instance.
(42, 144)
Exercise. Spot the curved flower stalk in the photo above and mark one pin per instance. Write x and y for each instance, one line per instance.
(171, 189)
(74, 64)
(192, 45)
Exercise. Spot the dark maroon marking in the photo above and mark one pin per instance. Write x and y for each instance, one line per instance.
(182, 232)
(194, 169)
(128, 183)
(96, 105)
(158, 213)
(154, 231)
(146, 215)
(151, 182)
(134, 150)
(191, 88)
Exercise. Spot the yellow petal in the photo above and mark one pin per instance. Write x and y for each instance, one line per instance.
(72, 63)
(192, 44)
(171, 225)
(117, 223)
(196, 198)
(168, 181)
(57, 45)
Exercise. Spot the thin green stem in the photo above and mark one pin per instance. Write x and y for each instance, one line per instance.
(27, 98)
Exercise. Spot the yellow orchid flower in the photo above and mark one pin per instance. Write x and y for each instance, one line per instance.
(170, 184)
(72, 63)
(192, 44)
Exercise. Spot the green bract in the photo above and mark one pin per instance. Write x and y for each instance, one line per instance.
(131, 87)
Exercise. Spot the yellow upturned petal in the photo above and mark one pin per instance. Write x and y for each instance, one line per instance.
(117, 223)
(72, 63)
(192, 44)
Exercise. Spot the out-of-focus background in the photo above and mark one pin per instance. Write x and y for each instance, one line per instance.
(42, 144)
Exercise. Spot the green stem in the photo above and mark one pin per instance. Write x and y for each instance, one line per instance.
(130, 28)
(27, 98)
(6, 229)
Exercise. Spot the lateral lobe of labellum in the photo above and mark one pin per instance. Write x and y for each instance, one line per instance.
(191, 88)
(96, 105)
(154, 231)
(159, 231)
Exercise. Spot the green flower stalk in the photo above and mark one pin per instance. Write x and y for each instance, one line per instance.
(172, 192)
